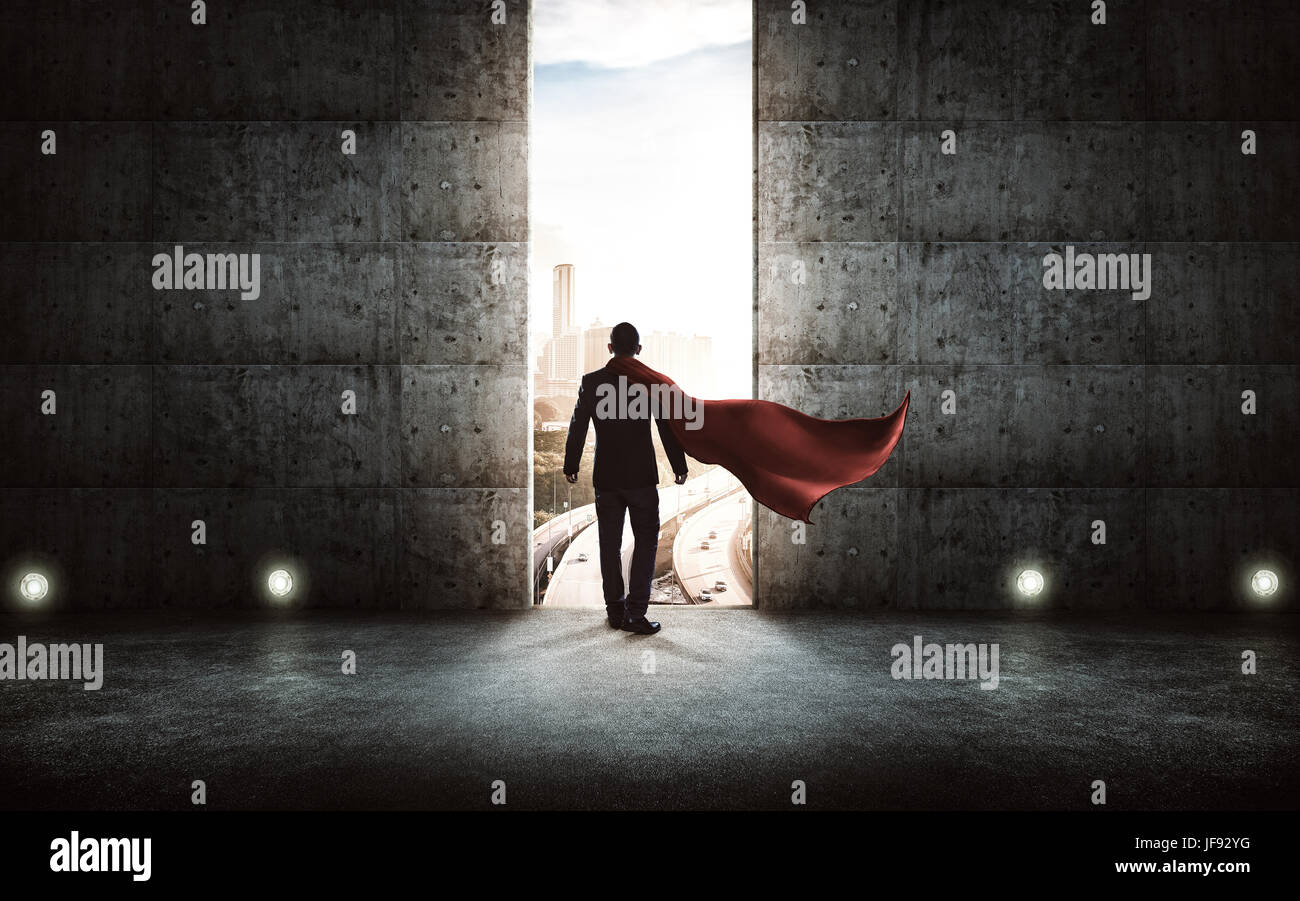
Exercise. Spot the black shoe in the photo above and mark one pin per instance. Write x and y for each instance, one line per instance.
(640, 625)
(615, 619)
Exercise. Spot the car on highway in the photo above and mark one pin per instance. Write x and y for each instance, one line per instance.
(713, 534)
(582, 558)
(704, 545)
(706, 595)
(720, 585)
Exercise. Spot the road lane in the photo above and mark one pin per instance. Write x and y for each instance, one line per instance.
(578, 584)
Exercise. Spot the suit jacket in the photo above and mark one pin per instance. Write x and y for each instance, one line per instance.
(625, 456)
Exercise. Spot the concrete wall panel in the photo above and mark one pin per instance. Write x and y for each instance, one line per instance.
(827, 181)
(1203, 545)
(1068, 68)
(1224, 303)
(276, 182)
(328, 447)
(1025, 426)
(219, 181)
(94, 546)
(465, 181)
(464, 303)
(985, 303)
(956, 60)
(318, 303)
(50, 291)
(1203, 188)
(342, 197)
(340, 547)
(848, 557)
(457, 431)
(961, 549)
(236, 67)
(1219, 59)
(342, 60)
(94, 188)
(827, 303)
(849, 75)
(457, 66)
(1198, 436)
(97, 436)
(1045, 181)
(275, 426)
(461, 548)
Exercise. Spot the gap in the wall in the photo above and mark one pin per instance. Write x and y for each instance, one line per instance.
(641, 211)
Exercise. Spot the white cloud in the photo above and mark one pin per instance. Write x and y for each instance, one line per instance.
(622, 33)
(642, 178)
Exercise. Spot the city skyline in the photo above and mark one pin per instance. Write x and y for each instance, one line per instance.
(562, 357)
(637, 147)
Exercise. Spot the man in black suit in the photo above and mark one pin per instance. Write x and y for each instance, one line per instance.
(626, 482)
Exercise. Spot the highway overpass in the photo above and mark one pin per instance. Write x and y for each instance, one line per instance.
(577, 583)
(696, 567)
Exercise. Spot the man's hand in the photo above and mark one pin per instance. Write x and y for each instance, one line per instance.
(571, 478)
(681, 479)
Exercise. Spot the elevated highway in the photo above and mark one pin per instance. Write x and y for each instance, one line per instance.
(577, 583)
(698, 568)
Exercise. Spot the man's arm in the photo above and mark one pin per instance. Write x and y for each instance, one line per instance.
(673, 448)
(577, 439)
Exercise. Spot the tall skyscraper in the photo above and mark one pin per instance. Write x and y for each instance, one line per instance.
(562, 294)
(562, 357)
(566, 360)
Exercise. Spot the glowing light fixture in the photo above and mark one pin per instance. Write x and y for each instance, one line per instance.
(33, 586)
(280, 583)
(1030, 582)
(1264, 582)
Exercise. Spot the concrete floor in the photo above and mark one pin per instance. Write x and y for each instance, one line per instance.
(741, 703)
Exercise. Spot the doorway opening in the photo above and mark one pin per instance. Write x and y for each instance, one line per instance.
(641, 206)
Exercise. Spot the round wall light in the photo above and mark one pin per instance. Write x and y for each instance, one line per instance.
(33, 586)
(280, 583)
(1264, 582)
(1030, 582)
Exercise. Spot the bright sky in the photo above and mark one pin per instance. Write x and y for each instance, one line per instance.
(641, 172)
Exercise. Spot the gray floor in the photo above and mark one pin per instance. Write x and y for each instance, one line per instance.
(741, 703)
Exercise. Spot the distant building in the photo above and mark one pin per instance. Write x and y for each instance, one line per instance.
(595, 346)
(570, 351)
(561, 362)
(687, 360)
(566, 362)
(563, 292)
(699, 357)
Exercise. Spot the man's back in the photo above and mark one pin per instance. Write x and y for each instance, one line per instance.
(625, 454)
(625, 478)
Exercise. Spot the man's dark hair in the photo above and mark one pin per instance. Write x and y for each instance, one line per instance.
(625, 338)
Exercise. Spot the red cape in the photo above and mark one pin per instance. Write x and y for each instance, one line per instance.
(786, 459)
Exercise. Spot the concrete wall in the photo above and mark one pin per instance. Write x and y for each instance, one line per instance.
(399, 273)
(924, 273)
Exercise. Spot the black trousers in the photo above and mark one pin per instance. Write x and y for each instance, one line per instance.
(642, 506)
